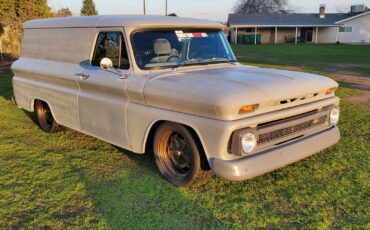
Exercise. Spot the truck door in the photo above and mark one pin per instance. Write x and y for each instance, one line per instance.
(102, 98)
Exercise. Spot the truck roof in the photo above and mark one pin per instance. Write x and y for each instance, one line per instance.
(121, 20)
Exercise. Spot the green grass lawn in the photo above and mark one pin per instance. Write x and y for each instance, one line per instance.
(71, 181)
(328, 58)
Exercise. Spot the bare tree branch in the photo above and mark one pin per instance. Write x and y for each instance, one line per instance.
(261, 6)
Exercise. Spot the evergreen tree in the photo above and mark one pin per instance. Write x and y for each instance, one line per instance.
(88, 8)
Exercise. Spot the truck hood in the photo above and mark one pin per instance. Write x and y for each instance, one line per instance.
(220, 92)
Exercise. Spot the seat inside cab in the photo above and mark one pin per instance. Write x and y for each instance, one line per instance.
(163, 51)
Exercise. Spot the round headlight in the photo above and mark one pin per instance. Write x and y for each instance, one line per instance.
(334, 116)
(249, 142)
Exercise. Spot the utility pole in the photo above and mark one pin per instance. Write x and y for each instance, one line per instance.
(166, 8)
(144, 7)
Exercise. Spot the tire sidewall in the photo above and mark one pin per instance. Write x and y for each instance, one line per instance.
(196, 161)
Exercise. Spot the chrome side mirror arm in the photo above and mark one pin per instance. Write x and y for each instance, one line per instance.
(106, 64)
(116, 71)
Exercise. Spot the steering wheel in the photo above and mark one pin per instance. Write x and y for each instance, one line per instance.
(173, 59)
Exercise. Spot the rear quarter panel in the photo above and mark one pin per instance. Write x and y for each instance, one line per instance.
(50, 58)
(52, 82)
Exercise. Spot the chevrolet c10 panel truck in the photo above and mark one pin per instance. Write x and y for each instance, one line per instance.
(172, 87)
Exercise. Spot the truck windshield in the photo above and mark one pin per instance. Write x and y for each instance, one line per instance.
(174, 48)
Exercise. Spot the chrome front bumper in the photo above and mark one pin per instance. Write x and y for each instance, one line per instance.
(266, 161)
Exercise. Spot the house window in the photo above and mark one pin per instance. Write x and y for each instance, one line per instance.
(345, 29)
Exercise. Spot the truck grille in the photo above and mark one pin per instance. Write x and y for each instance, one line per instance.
(274, 133)
(290, 130)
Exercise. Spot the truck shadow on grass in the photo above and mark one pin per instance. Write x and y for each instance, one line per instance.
(132, 194)
(6, 89)
(139, 198)
(127, 191)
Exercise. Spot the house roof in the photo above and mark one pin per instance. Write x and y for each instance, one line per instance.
(121, 20)
(286, 20)
(353, 17)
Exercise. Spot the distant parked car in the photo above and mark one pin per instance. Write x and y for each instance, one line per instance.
(172, 85)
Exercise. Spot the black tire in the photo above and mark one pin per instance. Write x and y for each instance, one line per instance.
(177, 155)
(45, 117)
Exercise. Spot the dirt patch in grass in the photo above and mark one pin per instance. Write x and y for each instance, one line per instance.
(362, 70)
(360, 99)
(355, 82)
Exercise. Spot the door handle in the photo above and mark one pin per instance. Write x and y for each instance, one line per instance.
(82, 76)
(123, 76)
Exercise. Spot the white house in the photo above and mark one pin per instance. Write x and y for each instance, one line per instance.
(355, 29)
(352, 27)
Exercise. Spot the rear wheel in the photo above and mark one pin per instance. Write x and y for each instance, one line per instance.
(45, 117)
(177, 156)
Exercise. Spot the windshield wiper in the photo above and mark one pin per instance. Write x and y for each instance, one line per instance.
(205, 62)
(181, 64)
(219, 60)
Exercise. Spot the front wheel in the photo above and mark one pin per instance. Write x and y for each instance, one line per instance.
(177, 155)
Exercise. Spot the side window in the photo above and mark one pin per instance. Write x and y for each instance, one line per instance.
(111, 45)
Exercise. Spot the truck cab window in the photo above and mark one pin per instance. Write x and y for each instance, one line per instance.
(111, 45)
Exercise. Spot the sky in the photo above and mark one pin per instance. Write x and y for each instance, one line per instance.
(208, 9)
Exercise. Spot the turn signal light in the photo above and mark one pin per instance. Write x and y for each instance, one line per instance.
(248, 108)
(330, 91)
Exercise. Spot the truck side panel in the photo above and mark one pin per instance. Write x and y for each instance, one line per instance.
(69, 45)
(47, 67)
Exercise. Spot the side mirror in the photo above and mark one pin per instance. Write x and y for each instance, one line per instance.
(106, 64)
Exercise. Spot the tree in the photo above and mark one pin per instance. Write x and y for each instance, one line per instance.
(261, 6)
(7, 11)
(88, 8)
(13, 13)
(32, 9)
(63, 12)
(18, 11)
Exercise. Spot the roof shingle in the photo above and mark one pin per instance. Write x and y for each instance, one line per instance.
(295, 19)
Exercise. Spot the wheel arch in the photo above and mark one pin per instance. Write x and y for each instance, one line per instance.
(33, 102)
(149, 138)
